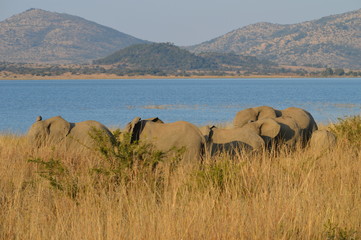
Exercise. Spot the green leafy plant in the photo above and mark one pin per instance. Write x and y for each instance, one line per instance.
(124, 160)
(218, 174)
(334, 232)
(57, 175)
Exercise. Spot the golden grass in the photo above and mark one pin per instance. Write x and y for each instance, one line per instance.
(297, 195)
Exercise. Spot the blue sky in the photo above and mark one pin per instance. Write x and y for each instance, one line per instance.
(184, 22)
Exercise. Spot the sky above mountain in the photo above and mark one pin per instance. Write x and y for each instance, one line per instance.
(184, 22)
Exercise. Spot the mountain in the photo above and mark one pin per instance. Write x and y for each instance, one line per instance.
(48, 37)
(235, 60)
(161, 56)
(333, 41)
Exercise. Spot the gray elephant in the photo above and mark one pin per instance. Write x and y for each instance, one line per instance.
(253, 136)
(168, 137)
(289, 133)
(297, 124)
(322, 140)
(70, 136)
(268, 129)
(232, 140)
(304, 120)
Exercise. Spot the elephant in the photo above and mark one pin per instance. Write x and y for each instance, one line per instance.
(168, 137)
(289, 133)
(303, 119)
(322, 140)
(231, 140)
(253, 136)
(71, 136)
(268, 129)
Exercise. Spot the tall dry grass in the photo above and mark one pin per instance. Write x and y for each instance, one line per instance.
(288, 195)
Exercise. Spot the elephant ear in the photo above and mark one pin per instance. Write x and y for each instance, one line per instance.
(245, 116)
(58, 128)
(265, 112)
(133, 128)
(211, 132)
(155, 119)
(207, 132)
(269, 128)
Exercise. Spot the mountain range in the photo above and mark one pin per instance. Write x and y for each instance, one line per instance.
(39, 36)
(47, 37)
(333, 41)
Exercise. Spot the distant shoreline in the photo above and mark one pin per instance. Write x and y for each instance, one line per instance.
(115, 77)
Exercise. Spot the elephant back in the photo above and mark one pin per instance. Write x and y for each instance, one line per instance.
(89, 134)
(171, 137)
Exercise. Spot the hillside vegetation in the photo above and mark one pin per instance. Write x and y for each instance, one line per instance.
(163, 56)
(332, 41)
(168, 57)
(38, 36)
(47, 194)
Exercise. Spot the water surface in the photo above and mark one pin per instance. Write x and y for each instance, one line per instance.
(200, 101)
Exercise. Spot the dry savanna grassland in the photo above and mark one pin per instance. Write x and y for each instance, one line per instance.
(131, 192)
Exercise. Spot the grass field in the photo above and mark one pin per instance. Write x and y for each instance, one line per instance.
(46, 194)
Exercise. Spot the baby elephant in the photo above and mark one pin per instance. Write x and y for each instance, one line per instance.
(322, 140)
(232, 140)
(71, 136)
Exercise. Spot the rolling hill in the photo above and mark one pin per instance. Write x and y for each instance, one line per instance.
(162, 56)
(166, 56)
(39, 36)
(332, 41)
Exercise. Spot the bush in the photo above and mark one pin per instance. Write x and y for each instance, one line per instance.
(124, 161)
(349, 129)
(335, 232)
(220, 174)
(58, 175)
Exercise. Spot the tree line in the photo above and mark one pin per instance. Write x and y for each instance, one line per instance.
(92, 69)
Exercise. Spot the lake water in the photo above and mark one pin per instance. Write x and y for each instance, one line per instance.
(200, 101)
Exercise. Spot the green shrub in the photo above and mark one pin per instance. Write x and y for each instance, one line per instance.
(125, 162)
(335, 232)
(349, 129)
(57, 175)
(219, 174)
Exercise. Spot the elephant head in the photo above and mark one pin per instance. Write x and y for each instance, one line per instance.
(304, 120)
(49, 131)
(268, 129)
(253, 114)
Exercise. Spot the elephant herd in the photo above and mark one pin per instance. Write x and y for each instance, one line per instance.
(253, 129)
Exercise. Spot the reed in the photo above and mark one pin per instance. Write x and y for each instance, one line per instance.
(48, 194)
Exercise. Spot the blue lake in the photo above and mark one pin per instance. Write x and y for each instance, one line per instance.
(200, 101)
